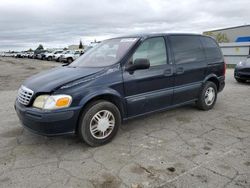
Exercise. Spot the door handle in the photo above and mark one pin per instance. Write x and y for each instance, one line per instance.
(168, 72)
(180, 70)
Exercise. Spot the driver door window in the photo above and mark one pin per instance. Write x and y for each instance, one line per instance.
(149, 89)
(154, 50)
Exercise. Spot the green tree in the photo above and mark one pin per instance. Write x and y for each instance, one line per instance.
(219, 37)
(65, 48)
(209, 33)
(80, 45)
(40, 47)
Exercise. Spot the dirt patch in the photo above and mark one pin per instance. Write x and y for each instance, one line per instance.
(202, 178)
(183, 119)
(19, 69)
(207, 148)
(210, 143)
(109, 181)
(31, 68)
(225, 167)
(4, 179)
(247, 163)
(137, 169)
(12, 133)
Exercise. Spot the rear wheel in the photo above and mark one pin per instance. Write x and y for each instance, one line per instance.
(99, 123)
(207, 97)
(49, 58)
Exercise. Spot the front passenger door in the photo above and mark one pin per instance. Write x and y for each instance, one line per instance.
(149, 89)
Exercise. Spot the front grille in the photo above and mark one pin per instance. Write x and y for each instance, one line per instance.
(24, 95)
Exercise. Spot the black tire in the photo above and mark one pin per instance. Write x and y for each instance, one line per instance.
(85, 120)
(240, 80)
(49, 58)
(69, 60)
(201, 103)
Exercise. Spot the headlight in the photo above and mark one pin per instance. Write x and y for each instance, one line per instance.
(51, 102)
(240, 64)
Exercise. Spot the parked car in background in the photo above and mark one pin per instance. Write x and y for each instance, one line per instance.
(26, 54)
(242, 71)
(70, 56)
(120, 79)
(30, 55)
(56, 57)
(13, 54)
(49, 56)
(2, 54)
(37, 54)
(20, 55)
(42, 55)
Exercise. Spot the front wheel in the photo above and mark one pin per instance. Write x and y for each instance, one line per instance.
(99, 123)
(207, 97)
(69, 60)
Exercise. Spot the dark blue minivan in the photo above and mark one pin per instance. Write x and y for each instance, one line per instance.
(119, 79)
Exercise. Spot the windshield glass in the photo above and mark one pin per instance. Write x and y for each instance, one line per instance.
(57, 52)
(68, 52)
(106, 53)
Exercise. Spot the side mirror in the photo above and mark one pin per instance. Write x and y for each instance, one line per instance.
(140, 63)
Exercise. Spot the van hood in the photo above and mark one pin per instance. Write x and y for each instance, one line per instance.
(48, 81)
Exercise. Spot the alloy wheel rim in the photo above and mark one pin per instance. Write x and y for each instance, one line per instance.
(102, 124)
(209, 96)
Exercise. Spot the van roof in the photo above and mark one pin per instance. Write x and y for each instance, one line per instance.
(145, 35)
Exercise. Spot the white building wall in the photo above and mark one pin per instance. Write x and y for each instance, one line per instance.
(235, 52)
(234, 32)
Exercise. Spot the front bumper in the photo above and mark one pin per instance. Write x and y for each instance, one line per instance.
(48, 123)
(241, 75)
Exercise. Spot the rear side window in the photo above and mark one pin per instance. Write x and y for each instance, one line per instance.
(186, 49)
(211, 48)
(154, 50)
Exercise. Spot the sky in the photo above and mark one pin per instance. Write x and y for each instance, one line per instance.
(58, 23)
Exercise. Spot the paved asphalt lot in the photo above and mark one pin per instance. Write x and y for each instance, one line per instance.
(184, 147)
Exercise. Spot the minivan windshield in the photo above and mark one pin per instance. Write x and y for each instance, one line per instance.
(106, 53)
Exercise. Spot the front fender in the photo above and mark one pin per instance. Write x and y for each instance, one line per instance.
(103, 93)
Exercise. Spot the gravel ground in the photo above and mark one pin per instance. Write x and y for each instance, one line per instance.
(184, 147)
